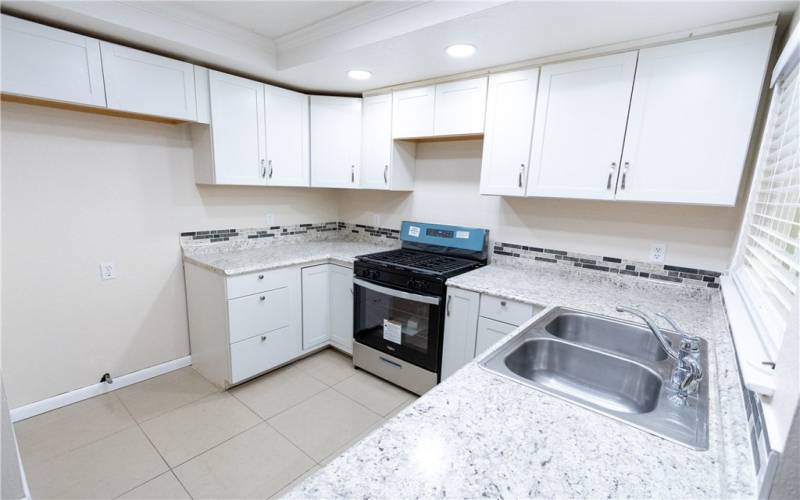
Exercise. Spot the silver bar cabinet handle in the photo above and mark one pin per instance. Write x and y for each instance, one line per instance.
(263, 169)
(625, 173)
(449, 299)
(352, 173)
(521, 170)
(270, 169)
(386, 174)
(610, 174)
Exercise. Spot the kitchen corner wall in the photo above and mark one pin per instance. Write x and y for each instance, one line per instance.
(79, 189)
(446, 191)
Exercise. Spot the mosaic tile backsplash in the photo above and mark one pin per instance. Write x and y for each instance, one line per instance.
(645, 270)
(500, 251)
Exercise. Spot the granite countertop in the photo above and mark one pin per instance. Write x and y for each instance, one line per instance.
(232, 261)
(479, 434)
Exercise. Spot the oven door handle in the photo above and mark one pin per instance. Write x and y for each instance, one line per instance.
(427, 299)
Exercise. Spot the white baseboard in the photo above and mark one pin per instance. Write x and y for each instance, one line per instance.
(67, 398)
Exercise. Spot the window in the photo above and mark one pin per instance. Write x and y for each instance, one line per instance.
(767, 261)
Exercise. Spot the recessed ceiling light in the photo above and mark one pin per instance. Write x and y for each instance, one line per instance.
(460, 50)
(359, 74)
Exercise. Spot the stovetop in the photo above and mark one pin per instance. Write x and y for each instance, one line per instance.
(421, 262)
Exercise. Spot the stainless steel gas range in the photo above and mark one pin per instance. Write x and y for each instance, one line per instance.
(399, 301)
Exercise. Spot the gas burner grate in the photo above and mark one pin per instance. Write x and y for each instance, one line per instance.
(420, 261)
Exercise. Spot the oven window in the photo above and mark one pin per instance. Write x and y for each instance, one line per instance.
(405, 328)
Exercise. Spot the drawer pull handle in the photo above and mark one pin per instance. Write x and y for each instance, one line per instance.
(261, 276)
(262, 298)
(502, 303)
(389, 361)
(263, 338)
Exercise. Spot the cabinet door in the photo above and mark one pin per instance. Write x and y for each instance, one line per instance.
(460, 325)
(489, 333)
(141, 82)
(47, 63)
(692, 114)
(509, 126)
(287, 137)
(237, 129)
(412, 112)
(341, 297)
(316, 305)
(335, 141)
(376, 144)
(460, 107)
(581, 111)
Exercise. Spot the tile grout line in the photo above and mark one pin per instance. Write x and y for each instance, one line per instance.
(164, 460)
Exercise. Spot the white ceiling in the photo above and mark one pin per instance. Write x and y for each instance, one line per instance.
(311, 45)
(268, 19)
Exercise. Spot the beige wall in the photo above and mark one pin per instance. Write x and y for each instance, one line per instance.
(79, 189)
(446, 190)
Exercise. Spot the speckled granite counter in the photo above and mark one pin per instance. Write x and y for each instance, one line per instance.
(232, 261)
(478, 434)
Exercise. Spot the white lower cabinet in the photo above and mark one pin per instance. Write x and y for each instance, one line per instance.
(234, 337)
(460, 325)
(489, 333)
(316, 305)
(328, 306)
(341, 294)
(474, 322)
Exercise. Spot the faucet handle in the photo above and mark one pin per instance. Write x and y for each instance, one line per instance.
(689, 343)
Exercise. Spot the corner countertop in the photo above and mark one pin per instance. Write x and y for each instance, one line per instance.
(232, 261)
(479, 434)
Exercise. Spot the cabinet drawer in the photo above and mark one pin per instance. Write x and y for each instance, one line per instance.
(248, 284)
(507, 311)
(259, 313)
(262, 352)
(489, 333)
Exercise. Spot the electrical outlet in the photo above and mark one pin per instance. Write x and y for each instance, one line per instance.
(658, 252)
(376, 220)
(107, 271)
(270, 219)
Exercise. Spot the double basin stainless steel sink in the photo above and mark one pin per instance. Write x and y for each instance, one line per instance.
(614, 367)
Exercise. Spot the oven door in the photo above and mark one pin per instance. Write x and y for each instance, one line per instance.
(404, 324)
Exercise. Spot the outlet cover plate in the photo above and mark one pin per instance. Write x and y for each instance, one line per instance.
(658, 251)
(107, 271)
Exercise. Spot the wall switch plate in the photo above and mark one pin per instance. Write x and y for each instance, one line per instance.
(376, 220)
(107, 271)
(270, 219)
(658, 251)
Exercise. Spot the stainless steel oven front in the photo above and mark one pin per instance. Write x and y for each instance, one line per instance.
(406, 325)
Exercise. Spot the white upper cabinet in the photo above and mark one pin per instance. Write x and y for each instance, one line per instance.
(385, 164)
(376, 143)
(581, 111)
(287, 137)
(141, 82)
(237, 130)
(460, 107)
(509, 125)
(335, 141)
(413, 112)
(691, 118)
(48, 63)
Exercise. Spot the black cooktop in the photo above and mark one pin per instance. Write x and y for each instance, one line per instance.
(423, 262)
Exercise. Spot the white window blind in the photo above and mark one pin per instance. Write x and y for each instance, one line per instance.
(768, 257)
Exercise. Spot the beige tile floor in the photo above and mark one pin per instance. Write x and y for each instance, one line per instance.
(178, 436)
